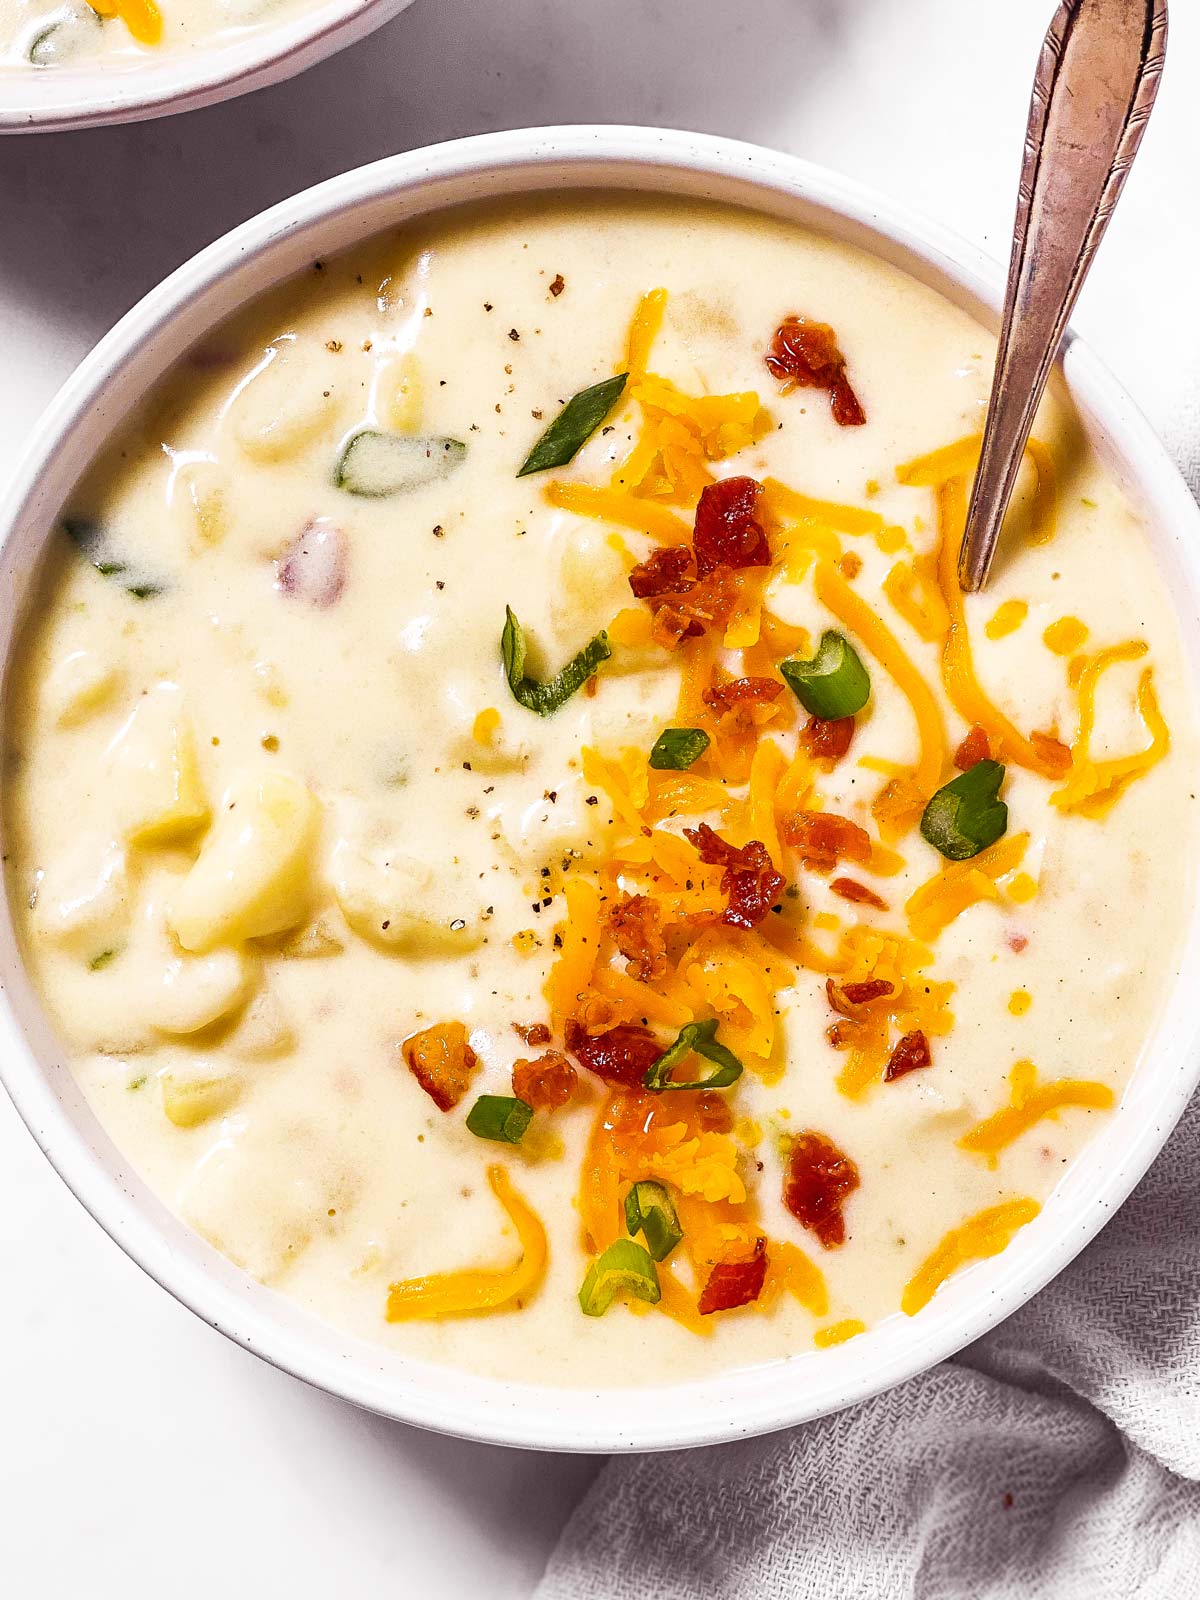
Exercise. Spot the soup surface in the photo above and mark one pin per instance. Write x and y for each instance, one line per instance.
(407, 800)
(48, 33)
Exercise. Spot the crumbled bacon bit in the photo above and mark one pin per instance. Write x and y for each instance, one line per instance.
(727, 532)
(708, 603)
(1053, 752)
(623, 1054)
(851, 889)
(1016, 942)
(818, 1181)
(664, 571)
(805, 355)
(741, 691)
(910, 1053)
(558, 285)
(533, 1033)
(442, 1062)
(734, 1283)
(851, 565)
(852, 999)
(635, 922)
(711, 1112)
(826, 738)
(750, 881)
(822, 839)
(545, 1084)
(976, 747)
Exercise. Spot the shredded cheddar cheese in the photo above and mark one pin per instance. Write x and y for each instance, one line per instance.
(141, 17)
(1006, 619)
(1031, 1101)
(834, 592)
(985, 1234)
(1039, 753)
(1095, 786)
(617, 505)
(948, 893)
(1065, 636)
(838, 1333)
(790, 1271)
(476, 1290)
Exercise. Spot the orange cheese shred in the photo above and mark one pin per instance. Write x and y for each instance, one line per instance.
(619, 506)
(643, 330)
(833, 591)
(949, 892)
(1095, 786)
(960, 459)
(571, 974)
(790, 1271)
(476, 1290)
(838, 1332)
(1029, 1102)
(1041, 754)
(985, 1234)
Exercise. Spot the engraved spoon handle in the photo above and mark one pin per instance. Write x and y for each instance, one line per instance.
(1096, 81)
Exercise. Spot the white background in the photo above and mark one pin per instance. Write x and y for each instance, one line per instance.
(142, 1456)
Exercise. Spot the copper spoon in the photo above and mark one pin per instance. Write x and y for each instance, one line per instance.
(1096, 81)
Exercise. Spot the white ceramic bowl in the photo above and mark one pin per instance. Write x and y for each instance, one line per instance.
(98, 398)
(51, 99)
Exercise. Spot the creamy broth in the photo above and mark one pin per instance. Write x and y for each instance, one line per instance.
(275, 810)
(49, 33)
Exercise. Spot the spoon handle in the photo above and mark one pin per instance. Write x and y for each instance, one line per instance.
(1095, 86)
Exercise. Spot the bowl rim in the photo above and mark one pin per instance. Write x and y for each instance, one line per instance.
(58, 99)
(732, 1404)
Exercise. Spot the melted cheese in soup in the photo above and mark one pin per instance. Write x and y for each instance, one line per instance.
(308, 879)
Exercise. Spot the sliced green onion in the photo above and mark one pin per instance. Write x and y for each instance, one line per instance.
(624, 1268)
(374, 464)
(545, 698)
(676, 748)
(500, 1117)
(650, 1211)
(699, 1038)
(573, 426)
(92, 543)
(965, 816)
(833, 683)
(98, 963)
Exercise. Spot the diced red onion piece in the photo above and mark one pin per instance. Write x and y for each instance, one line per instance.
(313, 567)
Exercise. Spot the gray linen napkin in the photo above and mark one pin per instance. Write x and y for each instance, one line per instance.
(1056, 1459)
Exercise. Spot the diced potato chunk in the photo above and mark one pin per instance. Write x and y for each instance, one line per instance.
(593, 585)
(402, 904)
(154, 773)
(195, 1094)
(199, 497)
(196, 991)
(284, 407)
(311, 943)
(400, 392)
(78, 685)
(303, 1187)
(83, 900)
(263, 1030)
(253, 876)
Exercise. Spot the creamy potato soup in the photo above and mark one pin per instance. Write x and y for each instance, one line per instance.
(47, 33)
(524, 842)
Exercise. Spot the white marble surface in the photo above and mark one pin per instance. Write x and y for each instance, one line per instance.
(140, 1454)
